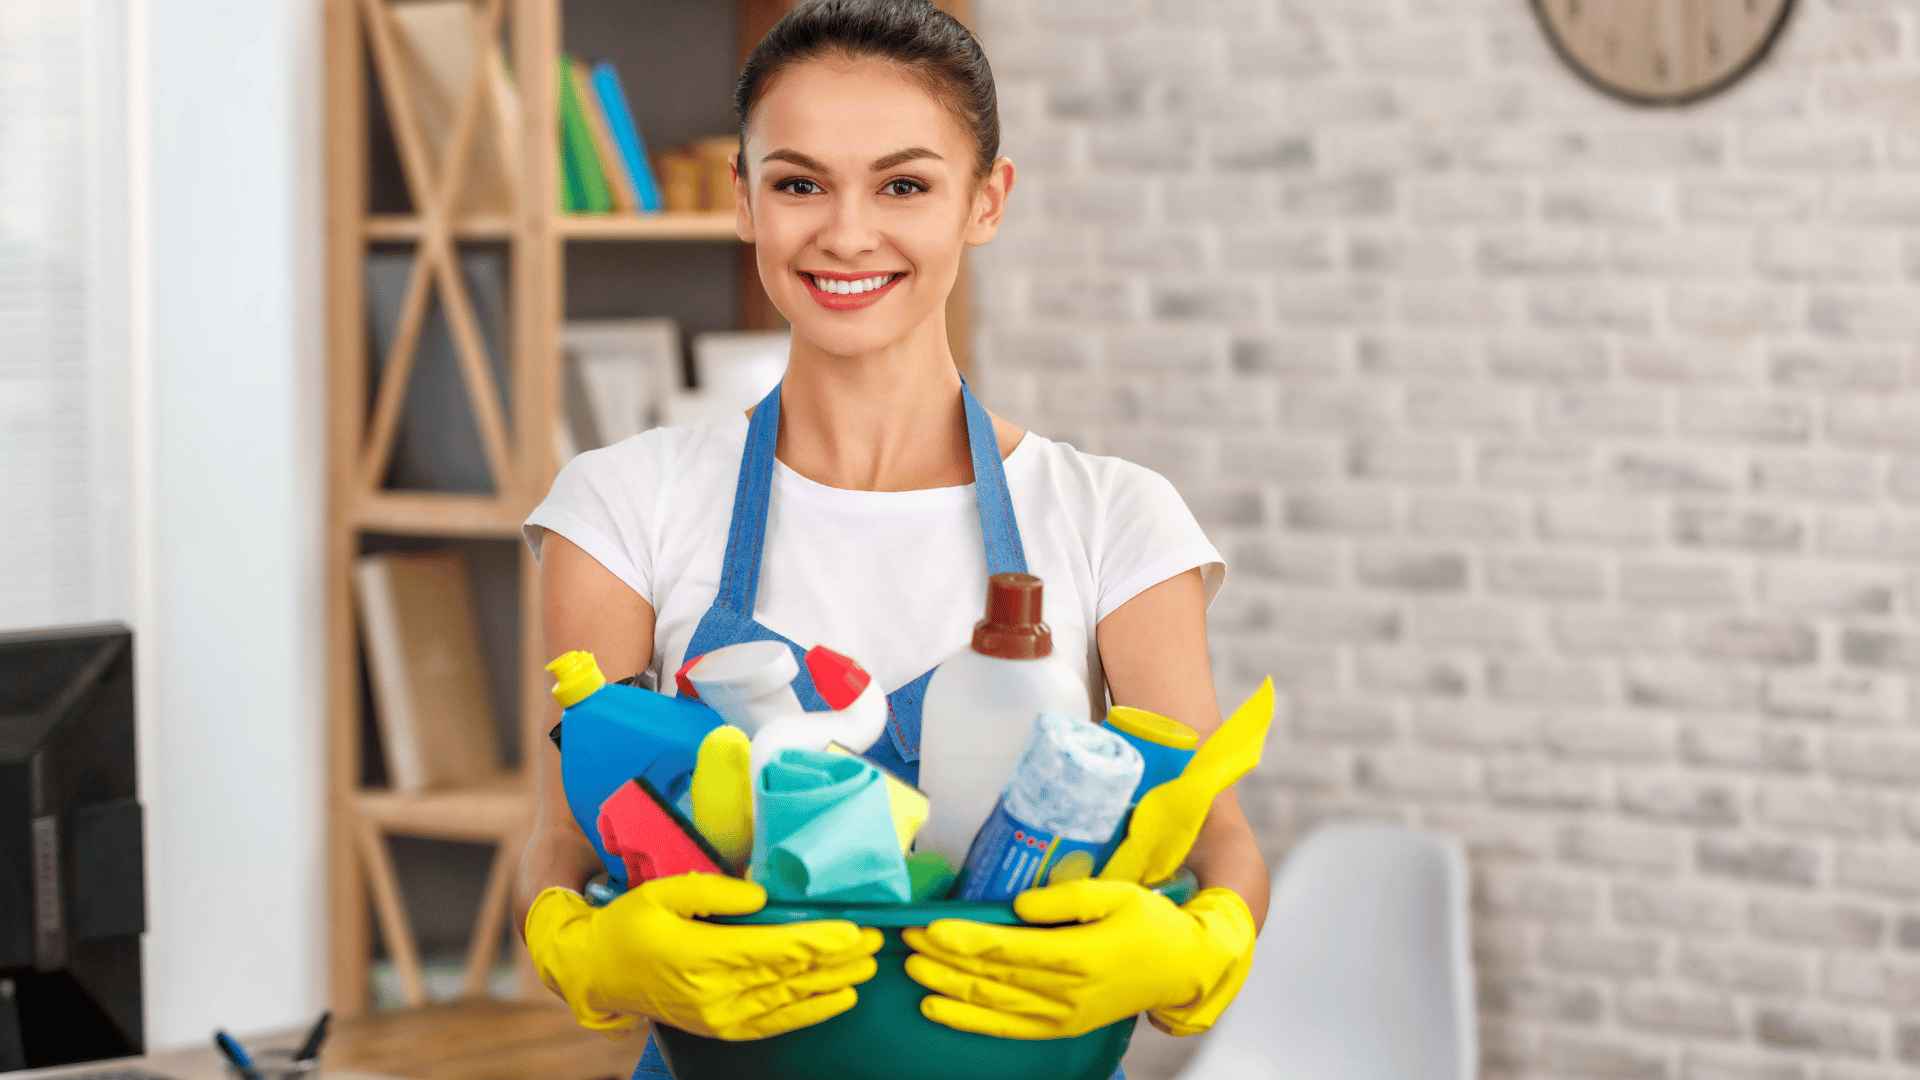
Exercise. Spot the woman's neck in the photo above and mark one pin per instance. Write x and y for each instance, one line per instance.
(890, 420)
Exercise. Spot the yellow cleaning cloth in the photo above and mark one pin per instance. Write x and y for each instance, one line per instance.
(1167, 819)
(908, 803)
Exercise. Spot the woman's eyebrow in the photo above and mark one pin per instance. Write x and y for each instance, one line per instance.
(898, 157)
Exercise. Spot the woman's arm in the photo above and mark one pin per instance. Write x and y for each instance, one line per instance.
(583, 606)
(1154, 650)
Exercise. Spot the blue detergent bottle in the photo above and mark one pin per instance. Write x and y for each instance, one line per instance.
(611, 733)
(1165, 744)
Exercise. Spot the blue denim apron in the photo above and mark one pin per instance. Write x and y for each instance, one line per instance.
(730, 620)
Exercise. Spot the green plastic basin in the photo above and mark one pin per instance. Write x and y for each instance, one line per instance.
(884, 1037)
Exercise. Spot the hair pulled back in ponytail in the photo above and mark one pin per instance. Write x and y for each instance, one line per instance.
(928, 43)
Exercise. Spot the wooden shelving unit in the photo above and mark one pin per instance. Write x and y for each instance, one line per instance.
(516, 442)
(681, 226)
(648, 227)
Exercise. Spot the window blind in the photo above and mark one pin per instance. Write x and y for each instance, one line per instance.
(64, 372)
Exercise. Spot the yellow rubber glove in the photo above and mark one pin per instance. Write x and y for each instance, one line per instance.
(722, 794)
(645, 954)
(1133, 951)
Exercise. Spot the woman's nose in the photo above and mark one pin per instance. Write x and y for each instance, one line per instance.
(849, 231)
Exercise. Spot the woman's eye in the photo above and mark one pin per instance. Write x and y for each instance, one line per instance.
(798, 185)
(904, 187)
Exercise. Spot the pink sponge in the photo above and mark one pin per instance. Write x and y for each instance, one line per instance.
(651, 838)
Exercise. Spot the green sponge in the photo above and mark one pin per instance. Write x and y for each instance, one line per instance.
(930, 875)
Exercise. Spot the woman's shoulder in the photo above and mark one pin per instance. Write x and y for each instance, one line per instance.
(1098, 496)
(1136, 527)
(1069, 469)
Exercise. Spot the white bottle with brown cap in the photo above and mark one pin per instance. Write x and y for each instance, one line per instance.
(980, 709)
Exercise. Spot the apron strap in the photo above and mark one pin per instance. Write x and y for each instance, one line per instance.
(1005, 553)
(747, 532)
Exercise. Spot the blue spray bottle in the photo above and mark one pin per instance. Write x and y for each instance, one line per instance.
(611, 733)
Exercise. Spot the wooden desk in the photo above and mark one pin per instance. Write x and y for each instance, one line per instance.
(479, 1039)
(482, 1039)
(183, 1065)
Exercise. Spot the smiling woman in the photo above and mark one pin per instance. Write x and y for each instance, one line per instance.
(872, 495)
(862, 177)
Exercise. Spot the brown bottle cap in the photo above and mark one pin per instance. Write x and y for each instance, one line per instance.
(1012, 629)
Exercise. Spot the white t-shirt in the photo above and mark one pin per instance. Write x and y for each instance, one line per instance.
(894, 579)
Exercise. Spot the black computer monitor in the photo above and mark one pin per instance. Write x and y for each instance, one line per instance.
(72, 873)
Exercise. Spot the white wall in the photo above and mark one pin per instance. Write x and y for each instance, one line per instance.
(1566, 458)
(229, 454)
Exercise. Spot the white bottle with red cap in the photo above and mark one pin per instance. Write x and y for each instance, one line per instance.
(980, 708)
(750, 685)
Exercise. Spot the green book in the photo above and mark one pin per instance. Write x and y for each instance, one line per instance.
(569, 184)
(570, 196)
(586, 185)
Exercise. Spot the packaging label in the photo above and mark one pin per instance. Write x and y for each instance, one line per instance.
(1009, 856)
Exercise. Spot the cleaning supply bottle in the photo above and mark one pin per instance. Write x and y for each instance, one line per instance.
(611, 733)
(1167, 819)
(980, 708)
(859, 705)
(751, 685)
(1060, 812)
(1165, 743)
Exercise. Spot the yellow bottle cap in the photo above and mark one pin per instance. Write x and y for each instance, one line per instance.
(1152, 727)
(577, 677)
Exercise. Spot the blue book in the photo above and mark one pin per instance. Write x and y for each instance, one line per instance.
(613, 100)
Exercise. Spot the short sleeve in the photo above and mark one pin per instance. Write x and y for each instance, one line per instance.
(607, 503)
(1147, 536)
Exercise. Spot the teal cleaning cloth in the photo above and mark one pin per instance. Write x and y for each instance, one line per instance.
(823, 830)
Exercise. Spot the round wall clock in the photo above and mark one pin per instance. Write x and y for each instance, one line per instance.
(1662, 52)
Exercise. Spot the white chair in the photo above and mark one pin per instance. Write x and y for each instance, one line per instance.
(1364, 970)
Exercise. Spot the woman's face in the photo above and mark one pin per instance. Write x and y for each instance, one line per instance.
(860, 196)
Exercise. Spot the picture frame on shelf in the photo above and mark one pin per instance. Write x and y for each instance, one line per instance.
(624, 375)
(732, 371)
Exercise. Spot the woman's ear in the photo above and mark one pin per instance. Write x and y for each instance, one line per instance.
(990, 202)
(742, 204)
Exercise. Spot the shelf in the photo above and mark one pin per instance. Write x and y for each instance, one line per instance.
(623, 227)
(500, 808)
(422, 513)
(702, 226)
(366, 54)
(408, 227)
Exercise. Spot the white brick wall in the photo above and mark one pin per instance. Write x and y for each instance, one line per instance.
(1568, 459)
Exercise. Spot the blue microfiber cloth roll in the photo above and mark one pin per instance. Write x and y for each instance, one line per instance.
(823, 830)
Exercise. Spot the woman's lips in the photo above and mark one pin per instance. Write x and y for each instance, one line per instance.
(848, 301)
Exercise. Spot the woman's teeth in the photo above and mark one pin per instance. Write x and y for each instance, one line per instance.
(848, 288)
